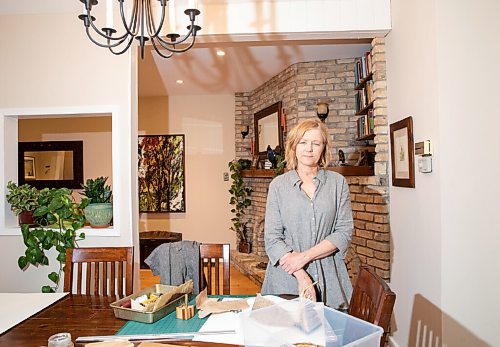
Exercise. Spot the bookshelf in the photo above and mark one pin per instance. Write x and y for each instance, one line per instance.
(363, 79)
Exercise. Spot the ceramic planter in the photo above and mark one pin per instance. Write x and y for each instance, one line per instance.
(99, 215)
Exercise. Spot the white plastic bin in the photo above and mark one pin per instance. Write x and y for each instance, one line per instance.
(273, 327)
(351, 331)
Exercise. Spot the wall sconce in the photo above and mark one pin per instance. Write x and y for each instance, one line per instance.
(244, 129)
(322, 110)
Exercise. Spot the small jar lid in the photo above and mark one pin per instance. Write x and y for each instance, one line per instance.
(60, 340)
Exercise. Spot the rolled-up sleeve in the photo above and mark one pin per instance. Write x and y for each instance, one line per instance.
(342, 228)
(274, 237)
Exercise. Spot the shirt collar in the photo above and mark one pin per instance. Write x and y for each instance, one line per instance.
(294, 177)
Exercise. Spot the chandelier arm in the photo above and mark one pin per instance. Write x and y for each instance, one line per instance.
(150, 20)
(159, 52)
(109, 45)
(124, 49)
(131, 28)
(176, 50)
(192, 31)
(108, 37)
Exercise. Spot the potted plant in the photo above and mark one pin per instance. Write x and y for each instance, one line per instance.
(23, 201)
(239, 199)
(60, 218)
(97, 205)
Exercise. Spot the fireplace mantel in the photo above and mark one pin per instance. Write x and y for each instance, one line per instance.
(343, 170)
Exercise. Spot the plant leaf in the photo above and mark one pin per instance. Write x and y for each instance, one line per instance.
(22, 262)
(54, 277)
(47, 289)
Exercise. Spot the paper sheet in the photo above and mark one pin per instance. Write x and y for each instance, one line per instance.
(16, 307)
(228, 321)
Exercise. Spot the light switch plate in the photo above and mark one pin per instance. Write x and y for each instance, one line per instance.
(425, 164)
(225, 176)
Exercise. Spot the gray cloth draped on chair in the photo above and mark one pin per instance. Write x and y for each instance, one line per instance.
(176, 263)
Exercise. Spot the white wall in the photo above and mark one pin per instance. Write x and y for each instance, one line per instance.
(63, 74)
(444, 231)
(337, 19)
(208, 124)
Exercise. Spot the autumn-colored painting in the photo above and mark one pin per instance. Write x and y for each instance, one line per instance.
(161, 173)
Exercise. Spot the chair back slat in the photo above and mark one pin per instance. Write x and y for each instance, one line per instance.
(112, 278)
(100, 268)
(211, 258)
(105, 277)
(97, 271)
(79, 278)
(87, 275)
(372, 300)
(120, 276)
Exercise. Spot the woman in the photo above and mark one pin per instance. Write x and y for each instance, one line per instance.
(308, 224)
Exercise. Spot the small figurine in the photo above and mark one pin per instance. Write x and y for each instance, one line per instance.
(271, 156)
(341, 158)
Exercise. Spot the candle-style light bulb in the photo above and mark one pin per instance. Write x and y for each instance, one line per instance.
(109, 13)
(171, 16)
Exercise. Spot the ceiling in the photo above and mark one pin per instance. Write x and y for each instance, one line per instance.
(245, 66)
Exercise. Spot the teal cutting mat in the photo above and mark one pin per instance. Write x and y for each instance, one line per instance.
(170, 323)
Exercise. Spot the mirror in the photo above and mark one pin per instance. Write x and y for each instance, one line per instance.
(268, 130)
(51, 164)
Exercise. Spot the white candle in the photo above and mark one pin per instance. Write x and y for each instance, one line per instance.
(83, 8)
(171, 16)
(109, 13)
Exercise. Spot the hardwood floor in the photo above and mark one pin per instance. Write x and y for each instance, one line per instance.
(240, 284)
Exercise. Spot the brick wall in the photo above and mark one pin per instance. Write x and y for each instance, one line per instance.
(300, 87)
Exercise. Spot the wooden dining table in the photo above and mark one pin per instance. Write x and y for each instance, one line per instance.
(79, 315)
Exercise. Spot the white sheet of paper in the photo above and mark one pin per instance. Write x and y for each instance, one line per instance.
(16, 307)
(228, 321)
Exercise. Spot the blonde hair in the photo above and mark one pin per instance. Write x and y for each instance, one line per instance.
(297, 133)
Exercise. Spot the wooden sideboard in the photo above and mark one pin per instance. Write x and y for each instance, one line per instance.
(149, 240)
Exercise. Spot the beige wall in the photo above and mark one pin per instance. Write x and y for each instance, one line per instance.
(95, 132)
(208, 123)
(67, 75)
(445, 231)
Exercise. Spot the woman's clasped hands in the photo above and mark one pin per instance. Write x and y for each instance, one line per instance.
(294, 261)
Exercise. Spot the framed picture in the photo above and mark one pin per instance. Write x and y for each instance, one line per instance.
(402, 160)
(29, 168)
(161, 173)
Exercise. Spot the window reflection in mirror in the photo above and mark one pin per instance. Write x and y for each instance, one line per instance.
(268, 134)
(268, 131)
(48, 165)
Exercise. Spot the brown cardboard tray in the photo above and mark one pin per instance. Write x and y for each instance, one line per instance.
(148, 317)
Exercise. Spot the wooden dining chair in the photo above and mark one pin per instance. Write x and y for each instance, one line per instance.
(212, 257)
(372, 300)
(104, 270)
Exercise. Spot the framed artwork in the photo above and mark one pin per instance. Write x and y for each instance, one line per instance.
(29, 168)
(402, 158)
(161, 173)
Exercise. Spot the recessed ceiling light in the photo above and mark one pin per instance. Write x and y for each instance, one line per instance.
(221, 53)
(179, 81)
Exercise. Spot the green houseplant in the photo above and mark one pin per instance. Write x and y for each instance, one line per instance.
(97, 205)
(60, 218)
(240, 201)
(23, 201)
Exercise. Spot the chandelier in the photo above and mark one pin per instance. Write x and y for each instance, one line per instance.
(144, 24)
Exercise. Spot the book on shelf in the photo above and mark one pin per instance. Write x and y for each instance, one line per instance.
(362, 67)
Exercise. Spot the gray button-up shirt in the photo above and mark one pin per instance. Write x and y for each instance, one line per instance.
(294, 222)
